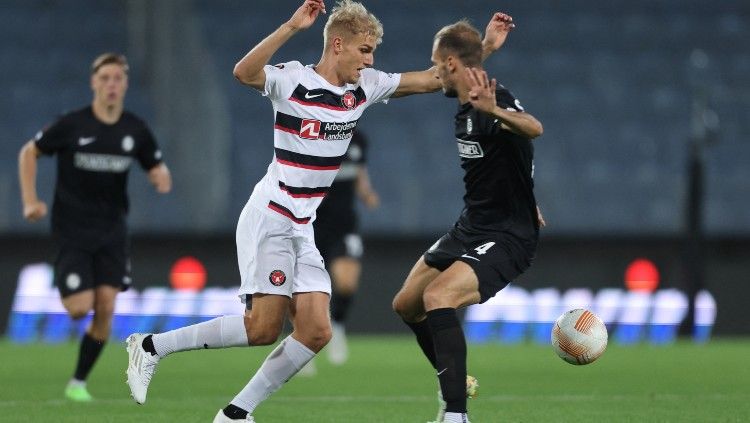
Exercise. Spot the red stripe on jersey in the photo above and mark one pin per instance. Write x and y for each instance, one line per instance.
(296, 192)
(306, 166)
(278, 208)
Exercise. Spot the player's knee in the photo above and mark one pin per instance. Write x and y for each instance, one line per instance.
(405, 309)
(77, 312)
(263, 336)
(317, 339)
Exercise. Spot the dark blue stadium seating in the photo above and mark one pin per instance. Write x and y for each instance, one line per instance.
(609, 80)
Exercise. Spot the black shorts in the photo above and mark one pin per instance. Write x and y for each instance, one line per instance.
(79, 266)
(333, 245)
(497, 258)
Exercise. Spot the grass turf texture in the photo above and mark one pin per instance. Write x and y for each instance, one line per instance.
(388, 380)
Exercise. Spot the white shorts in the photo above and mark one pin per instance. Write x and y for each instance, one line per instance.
(275, 257)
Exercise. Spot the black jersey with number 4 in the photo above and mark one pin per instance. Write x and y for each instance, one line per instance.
(93, 160)
(499, 169)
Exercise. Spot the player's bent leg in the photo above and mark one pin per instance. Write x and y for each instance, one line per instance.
(311, 320)
(259, 326)
(456, 287)
(408, 301)
(79, 304)
(309, 313)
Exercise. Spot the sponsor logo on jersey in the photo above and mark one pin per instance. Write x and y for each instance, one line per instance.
(469, 149)
(277, 278)
(101, 162)
(308, 96)
(313, 129)
(127, 143)
(86, 140)
(309, 129)
(469, 125)
(349, 100)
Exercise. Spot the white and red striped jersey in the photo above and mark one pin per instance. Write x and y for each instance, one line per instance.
(313, 123)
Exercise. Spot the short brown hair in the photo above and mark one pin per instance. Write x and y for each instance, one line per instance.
(108, 59)
(462, 40)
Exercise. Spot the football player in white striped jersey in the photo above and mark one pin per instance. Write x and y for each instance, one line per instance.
(316, 109)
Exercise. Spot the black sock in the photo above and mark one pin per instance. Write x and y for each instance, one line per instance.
(87, 355)
(148, 345)
(234, 412)
(340, 306)
(424, 339)
(450, 354)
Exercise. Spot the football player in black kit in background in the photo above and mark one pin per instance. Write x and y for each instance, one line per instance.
(337, 238)
(495, 238)
(94, 147)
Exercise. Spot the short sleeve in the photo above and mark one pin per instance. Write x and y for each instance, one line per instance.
(53, 137)
(508, 101)
(379, 86)
(281, 79)
(148, 153)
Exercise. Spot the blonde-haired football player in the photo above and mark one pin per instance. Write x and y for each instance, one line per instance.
(316, 109)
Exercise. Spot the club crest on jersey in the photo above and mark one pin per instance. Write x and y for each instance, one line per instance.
(127, 143)
(349, 100)
(309, 129)
(469, 149)
(277, 278)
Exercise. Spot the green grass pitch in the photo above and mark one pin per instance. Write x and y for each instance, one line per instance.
(387, 380)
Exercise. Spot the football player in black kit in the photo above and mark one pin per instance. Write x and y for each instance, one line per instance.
(495, 237)
(337, 239)
(95, 147)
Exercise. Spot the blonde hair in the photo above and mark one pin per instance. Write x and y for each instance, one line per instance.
(108, 59)
(353, 18)
(460, 39)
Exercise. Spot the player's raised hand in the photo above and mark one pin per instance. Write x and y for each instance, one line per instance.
(305, 16)
(34, 210)
(481, 90)
(497, 31)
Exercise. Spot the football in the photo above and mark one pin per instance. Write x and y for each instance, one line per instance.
(579, 336)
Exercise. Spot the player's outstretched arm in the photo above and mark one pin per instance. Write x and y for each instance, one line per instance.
(249, 70)
(482, 97)
(33, 208)
(496, 33)
(160, 178)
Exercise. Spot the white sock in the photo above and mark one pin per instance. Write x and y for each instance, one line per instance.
(283, 363)
(221, 332)
(456, 418)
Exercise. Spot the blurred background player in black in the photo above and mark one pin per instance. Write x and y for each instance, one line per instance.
(495, 238)
(95, 147)
(337, 238)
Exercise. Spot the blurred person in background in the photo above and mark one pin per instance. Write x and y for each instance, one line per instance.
(316, 109)
(495, 238)
(337, 237)
(95, 147)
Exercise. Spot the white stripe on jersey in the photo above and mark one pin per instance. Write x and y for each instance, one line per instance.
(313, 124)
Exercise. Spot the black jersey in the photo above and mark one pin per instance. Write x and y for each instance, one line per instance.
(499, 169)
(337, 211)
(93, 160)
